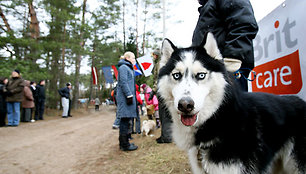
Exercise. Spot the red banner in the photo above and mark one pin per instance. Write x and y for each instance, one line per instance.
(280, 76)
(94, 75)
(115, 71)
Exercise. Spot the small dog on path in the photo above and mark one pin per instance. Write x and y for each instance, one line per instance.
(148, 126)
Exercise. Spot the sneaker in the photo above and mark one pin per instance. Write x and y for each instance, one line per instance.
(32, 121)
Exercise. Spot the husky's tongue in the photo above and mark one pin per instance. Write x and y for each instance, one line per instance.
(188, 120)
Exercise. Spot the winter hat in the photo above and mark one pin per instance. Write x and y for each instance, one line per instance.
(17, 71)
(157, 52)
(68, 84)
(143, 86)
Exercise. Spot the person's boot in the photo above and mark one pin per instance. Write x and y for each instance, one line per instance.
(124, 143)
(150, 117)
(162, 140)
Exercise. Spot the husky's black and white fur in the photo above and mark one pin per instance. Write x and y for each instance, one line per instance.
(225, 130)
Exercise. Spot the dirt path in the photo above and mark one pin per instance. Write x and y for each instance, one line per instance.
(57, 145)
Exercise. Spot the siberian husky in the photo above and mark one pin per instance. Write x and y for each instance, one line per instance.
(225, 130)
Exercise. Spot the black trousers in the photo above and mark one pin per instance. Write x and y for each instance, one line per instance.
(69, 108)
(39, 110)
(2, 118)
(165, 119)
(124, 126)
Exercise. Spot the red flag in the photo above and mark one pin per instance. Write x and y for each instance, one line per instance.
(94, 75)
(115, 71)
(146, 64)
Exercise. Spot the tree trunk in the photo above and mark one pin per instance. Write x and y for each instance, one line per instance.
(34, 25)
(123, 22)
(7, 25)
(79, 59)
(144, 28)
(34, 30)
(62, 77)
(137, 33)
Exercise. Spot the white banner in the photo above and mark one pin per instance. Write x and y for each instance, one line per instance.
(280, 51)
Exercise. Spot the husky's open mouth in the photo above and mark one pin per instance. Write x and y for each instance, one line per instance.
(188, 120)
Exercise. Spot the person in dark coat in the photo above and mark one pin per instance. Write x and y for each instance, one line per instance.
(165, 117)
(65, 96)
(3, 82)
(40, 99)
(14, 91)
(234, 26)
(126, 99)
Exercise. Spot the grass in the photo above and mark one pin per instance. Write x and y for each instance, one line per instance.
(149, 158)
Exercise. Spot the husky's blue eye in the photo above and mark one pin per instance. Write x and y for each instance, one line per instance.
(200, 76)
(177, 76)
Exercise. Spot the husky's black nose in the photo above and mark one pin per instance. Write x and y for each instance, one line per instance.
(186, 105)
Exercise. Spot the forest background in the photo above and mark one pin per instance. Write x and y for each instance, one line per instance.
(51, 39)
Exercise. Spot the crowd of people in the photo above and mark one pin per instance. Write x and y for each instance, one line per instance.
(24, 101)
(19, 98)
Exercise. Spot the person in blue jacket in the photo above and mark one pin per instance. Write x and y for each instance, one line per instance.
(126, 99)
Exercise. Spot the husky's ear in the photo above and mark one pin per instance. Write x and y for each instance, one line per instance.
(212, 49)
(166, 52)
(211, 46)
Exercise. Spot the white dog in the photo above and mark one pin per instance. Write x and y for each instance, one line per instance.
(148, 126)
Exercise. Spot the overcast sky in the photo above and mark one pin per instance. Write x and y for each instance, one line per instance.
(182, 19)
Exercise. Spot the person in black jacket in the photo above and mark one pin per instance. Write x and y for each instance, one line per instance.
(40, 99)
(65, 94)
(3, 82)
(234, 26)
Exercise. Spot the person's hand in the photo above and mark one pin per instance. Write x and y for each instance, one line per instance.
(129, 100)
(9, 93)
(152, 93)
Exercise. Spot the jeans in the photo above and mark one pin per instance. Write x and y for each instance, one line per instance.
(13, 113)
(117, 121)
(65, 104)
(137, 124)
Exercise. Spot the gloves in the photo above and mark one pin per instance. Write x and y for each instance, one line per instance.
(9, 93)
(129, 100)
(152, 93)
(232, 65)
